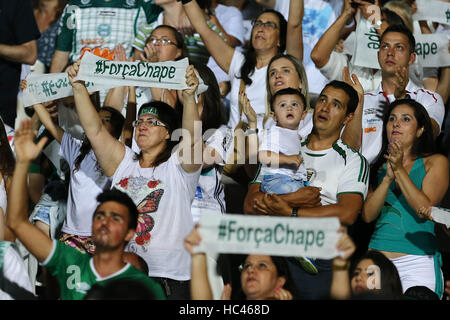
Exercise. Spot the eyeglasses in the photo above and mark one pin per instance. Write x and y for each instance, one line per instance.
(260, 266)
(267, 25)
(148, 123)
(163, 42)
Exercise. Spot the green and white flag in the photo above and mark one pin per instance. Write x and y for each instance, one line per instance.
(278, 236)
(441, 215)
(432, 10)
(51, 86)
(167, 75)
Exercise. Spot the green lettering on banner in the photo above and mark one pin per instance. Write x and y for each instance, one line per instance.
(139, 74)
(424, 49)
(374, 39)
(172, 70)
(278, 226)
(300, 237)
(268, 236)
(149, 70)
(47, 88)
(309, 239)
(99, 65)
(164, 72)
(113, 69)
(320, 238)
(125, 70)
(157, 71)
(447, 14)
(133, 70)
(241, 234)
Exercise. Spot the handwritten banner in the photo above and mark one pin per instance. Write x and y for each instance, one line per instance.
(50, 86)
(279, 236)
(167, 75)
(433, 10)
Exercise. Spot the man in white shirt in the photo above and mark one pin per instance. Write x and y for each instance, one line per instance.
(395, 56)
(340, 172)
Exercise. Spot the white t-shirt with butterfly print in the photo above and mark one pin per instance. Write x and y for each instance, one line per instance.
(163, 195)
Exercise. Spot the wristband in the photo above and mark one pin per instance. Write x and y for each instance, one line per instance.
(294, 212)
(184, 1)
(251, 131)
(342, 268)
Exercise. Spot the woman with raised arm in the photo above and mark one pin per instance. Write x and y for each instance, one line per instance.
(161, 183)
(270, 36)
(407, 177)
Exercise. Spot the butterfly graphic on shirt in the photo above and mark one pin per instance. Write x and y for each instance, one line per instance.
(145, 221)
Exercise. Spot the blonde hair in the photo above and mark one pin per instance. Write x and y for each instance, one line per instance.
(403, 10)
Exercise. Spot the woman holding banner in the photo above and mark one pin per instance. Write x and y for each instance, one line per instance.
(161, 183)
(408, 178)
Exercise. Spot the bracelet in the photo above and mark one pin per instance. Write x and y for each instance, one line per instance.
(251, 131)
(184, 1)
(343, 267)
(294, 212)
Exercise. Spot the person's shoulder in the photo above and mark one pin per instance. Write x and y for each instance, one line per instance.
(435, 160)
(347, 152)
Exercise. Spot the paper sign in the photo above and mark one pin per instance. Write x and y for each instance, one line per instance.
(50, 86)
(433, 10)
(441, 215)
(167, 75)
(278, 236)
(432, 50)
(367, 45)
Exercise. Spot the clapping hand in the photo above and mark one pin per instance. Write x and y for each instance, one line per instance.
(247, 109)
(400, 82)
(395, 155)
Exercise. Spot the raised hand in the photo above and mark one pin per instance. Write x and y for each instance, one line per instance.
(354, 82)
(119, 53)
(191, 81)
(72, 71)
(345, 246)
(282, 294)
(400, 82)
(395, 155)
(192, 240)
(425, 213)
(247, 109)
(226, 292)
(25, 148)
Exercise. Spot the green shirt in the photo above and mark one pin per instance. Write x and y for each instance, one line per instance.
(76, 273)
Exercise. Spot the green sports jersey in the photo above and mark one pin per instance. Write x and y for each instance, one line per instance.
(90, 24)
(76, 273)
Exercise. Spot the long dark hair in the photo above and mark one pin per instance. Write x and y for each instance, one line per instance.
(248, 68)
(213, 114)
(389, 277)
(7, 160)
(423, 146)
(117, 121)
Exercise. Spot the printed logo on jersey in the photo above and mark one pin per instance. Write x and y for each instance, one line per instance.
(104, 30)
(131, 3)
(311, 174)
(85, 2)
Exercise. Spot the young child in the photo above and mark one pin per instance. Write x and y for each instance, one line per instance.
(279, 150)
